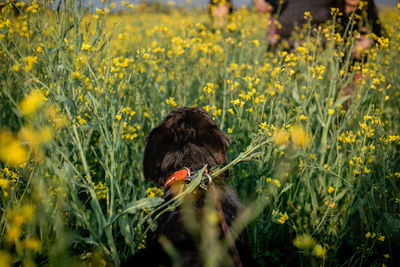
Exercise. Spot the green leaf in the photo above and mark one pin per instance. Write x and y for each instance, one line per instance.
(125, 230)
(68, 102)
(144, 203)
(392, 222)
(295, 94)
(286, 188)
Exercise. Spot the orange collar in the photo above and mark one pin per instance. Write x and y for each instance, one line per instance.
(184, 175)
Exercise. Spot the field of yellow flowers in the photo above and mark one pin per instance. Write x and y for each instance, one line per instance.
(80, 89)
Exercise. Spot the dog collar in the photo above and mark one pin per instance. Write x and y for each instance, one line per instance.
(183, 175)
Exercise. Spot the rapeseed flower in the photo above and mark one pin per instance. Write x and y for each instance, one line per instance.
(319, 251)
(300, 137)
(171, 101)
(281, 137)
(283, 218)
(45, 135)
(331, 189)
(30, 61)
(32, 102)
(154, 192)
(304, 241)
(81, 121)
(5, 259)
(262, 125)
(100, 189)
(12, 151)
(14, 233)
(32, 244)
(16, 67)
(4, 183)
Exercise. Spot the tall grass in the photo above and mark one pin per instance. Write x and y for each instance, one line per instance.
(81, 89)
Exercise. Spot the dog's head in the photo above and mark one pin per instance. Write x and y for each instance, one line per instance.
(187, 137)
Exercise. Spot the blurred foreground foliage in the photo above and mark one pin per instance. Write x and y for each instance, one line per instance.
(81, 89)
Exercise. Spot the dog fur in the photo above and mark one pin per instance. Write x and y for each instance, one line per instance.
(187, 137)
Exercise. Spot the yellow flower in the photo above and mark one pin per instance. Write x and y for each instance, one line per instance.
(154, 192)
(32, 102)
(11, 150)
(4, 183)
(28, 211)
(15, 154)
(281, 137)
(32, 244)
(302, 117)
(15, 67)
(86, 47)
(141, 246)
(29, 136)
(5, 259)
(13, 233)
(29, 263)
(366, 170)
(319, 251)
(102, 12)
(262, 125)
(283, 218)
(45, 135)
(331, 189)
(331, 111)
(171, 101)
(81, 120)
(300, 137)
(101, 190)
(304, 241)
(30, 61)
(256, 43)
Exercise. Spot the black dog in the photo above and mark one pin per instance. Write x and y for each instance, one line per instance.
(188, 138)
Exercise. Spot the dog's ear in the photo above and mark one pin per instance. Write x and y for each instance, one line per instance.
(210, 136)
(159, 142)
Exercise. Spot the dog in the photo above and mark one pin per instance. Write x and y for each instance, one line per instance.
(187, 139)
